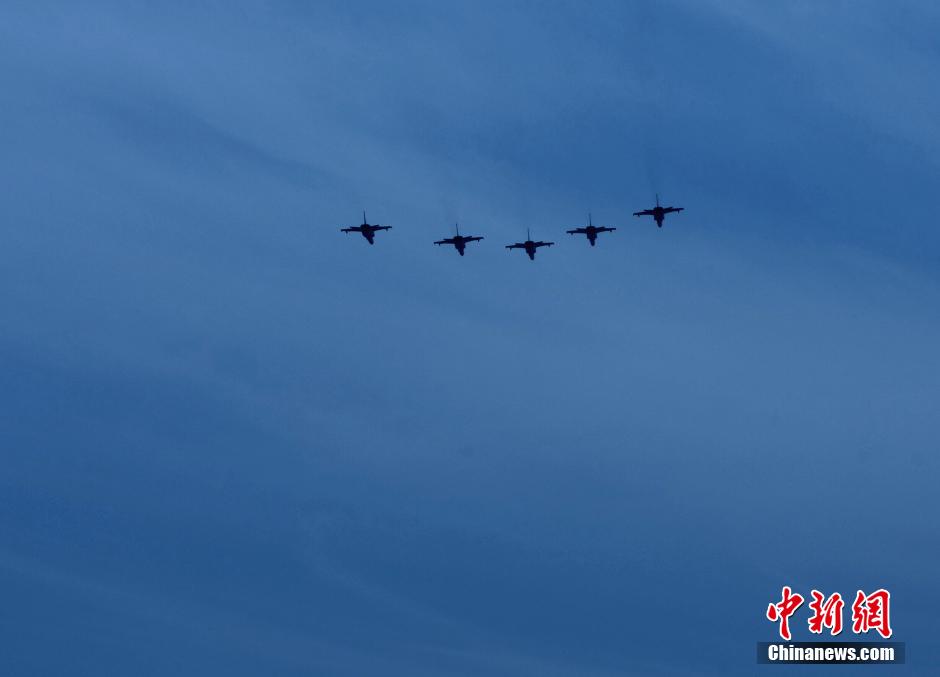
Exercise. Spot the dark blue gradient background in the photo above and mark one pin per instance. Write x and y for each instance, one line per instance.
(236, 442)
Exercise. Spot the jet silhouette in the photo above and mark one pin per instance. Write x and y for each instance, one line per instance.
(529, 245)
(459, 241)
(658, 212)
(591, 231)
(368, 232)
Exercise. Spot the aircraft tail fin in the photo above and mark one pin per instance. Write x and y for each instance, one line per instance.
(364, 222)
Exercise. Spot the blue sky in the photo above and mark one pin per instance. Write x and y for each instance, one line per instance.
(236, 441)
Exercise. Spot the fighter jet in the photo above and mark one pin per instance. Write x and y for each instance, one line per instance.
(658, 212)
(529, 245)
(368, 232)
(591, 231)
(459, 241)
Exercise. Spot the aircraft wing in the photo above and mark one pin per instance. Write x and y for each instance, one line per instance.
(576, 231)
(606, 229)
(645, 212)
(446, 240)
(354, 229)
(518, 245)
(673, 209)
(473, 238)
(381, 227)
(544, 244)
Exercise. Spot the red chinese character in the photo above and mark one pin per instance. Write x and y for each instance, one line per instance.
(828, 615)
(871, 612)
(784, 609)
